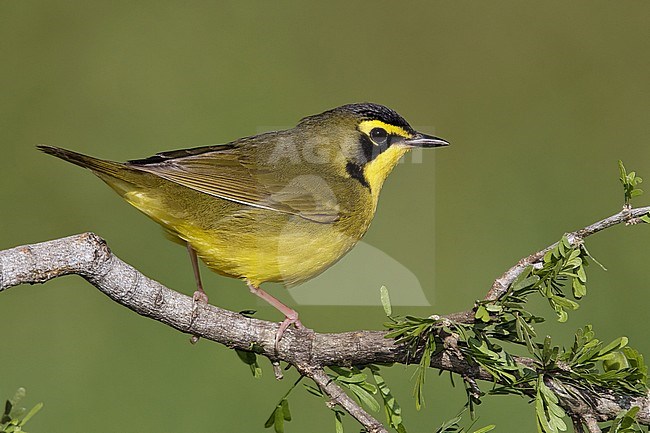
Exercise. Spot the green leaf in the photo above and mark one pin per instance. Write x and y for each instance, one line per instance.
(269, 422)
(353, 378)
(278, 420)
(619, 343)
(312, 390)
(286, 413)
(582, 274)
(338, 422)
(565, 303)
(449, 426)
(250, 359)
(385, 300)
(485, 429)
(524, 280)
(281, 412)
(365, 398)
(630, 181)
(625, 422)
(579, 289)
(615, 361)
(392, 409)
(31, 413)
(482, 314)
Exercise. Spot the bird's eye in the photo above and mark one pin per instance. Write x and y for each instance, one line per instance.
(379, 136)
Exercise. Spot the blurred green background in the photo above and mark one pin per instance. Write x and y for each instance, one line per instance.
(539, 100)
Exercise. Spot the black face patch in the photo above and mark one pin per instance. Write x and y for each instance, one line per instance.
(356, 172)
(371, 149)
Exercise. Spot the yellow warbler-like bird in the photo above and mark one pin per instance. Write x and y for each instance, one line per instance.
(281, 206)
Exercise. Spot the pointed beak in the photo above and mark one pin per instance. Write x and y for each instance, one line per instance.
(423, 140)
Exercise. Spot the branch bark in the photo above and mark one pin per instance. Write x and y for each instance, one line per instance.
(88, 256)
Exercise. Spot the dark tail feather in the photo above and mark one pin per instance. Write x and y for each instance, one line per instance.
(94, 164)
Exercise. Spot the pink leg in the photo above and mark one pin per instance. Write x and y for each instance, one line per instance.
(199, 294)
(290, 315)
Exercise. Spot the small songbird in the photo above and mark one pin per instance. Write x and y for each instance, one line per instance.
(281, 206)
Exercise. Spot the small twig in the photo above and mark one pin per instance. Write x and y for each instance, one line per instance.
(501, 284)
(472, 386)
(338, 396)
(277, 370)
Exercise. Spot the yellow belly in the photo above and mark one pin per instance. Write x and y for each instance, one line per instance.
(239, 241)
(288, 249)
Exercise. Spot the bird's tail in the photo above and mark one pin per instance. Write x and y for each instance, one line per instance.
(95, 164)
(122, 178)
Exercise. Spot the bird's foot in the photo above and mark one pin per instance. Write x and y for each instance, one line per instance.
(288, 321)
(200, 298)
(290, 315)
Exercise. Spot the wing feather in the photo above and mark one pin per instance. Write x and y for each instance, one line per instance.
(233, 174)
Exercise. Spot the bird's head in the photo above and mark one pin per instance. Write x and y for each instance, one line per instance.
(370, 138)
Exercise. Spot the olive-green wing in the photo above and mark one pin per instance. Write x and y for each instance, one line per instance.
(228, 173)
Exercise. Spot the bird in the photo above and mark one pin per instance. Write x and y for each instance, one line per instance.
(281, 206)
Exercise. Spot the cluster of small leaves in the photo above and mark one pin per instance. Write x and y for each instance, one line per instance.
(587, 364)
(353, 379)
(549, 415)
(626, 422)
(356, 381)
(14, 418)
(281, 412)
(590, 363)
(507, 318)
(420, 338)
(630, 181)
(496, 361)
(564, 263)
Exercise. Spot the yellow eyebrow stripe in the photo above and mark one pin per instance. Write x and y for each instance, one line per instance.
(367, 125)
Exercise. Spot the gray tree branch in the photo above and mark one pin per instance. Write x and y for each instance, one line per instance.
(88, 256)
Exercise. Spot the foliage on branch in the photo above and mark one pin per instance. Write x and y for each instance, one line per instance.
(498, 341)
(499, 328)
(630, 181)
(14, 417)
